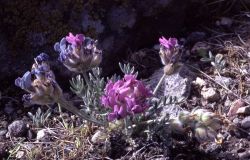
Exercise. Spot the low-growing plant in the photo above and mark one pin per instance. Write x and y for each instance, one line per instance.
(218, 61)
(115, 103)
(39, 118)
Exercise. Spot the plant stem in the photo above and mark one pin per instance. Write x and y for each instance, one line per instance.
(126, 125)
(159, 84)
(86, 78)
(65, 104)
(60, 111)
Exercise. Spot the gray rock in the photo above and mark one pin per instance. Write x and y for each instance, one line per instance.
(3, 132)
(236, 121)
(178, 84)
(224, 80)
(17, 128)
(245, 123)
(210, 94)
(244, 110)
(20, 154)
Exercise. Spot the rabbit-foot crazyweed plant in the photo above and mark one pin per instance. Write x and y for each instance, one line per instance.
(204, 125)
(39, 119)
(44, 90)
(218, 61)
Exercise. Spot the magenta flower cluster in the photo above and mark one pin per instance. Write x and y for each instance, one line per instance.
(75, 40)
(168, 43)
(78, 53)
(125, 97)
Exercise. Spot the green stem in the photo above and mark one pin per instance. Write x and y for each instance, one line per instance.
(65, 104)
(126, 125)
(60, 111)
(86, 78)
(159, 84)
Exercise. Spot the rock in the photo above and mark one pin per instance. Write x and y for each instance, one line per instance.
(224, 80)
(200, 82)
(118, 25)
(245, 155)
(236, 121)
(235, 106)
(20, 154)
(43, 135)
(17, 128)
(245, 123)
(99, 137)
(178, 84)
(3, 132)
(244, 110)
(210, 94)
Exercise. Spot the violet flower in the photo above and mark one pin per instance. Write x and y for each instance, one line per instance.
(40, 83)
(169, 50)
(78, 53)
(168, 44)
(125, 97)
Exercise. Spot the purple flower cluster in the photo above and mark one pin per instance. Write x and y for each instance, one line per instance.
(125, 97)
(169, 51)
(75, 40)
(78, 53)
(40, 83)
(168, 44)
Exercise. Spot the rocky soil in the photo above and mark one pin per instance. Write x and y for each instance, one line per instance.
(128, 31)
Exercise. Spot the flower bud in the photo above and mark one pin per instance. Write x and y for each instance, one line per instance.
(169, 50)
(78, 53)
(176, 126)
(208, 119)
(203, 133)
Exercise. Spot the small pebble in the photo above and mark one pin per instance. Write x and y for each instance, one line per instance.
(244, 110)
(245, 123)
(234, 107)
(20, 154)
(200, 82)
(210, 94)
(3, 132)
(99, 137)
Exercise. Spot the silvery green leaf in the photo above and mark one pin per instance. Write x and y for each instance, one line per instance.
(205, 59)
(127, 69)
(210, 55)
